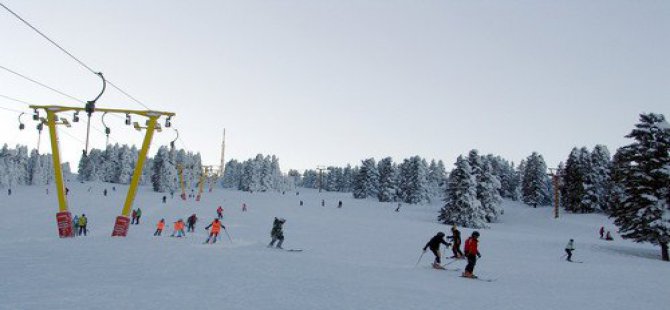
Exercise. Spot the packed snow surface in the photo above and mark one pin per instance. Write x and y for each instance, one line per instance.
(361, 256)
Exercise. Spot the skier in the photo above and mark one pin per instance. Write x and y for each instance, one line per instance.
(82, 224)
(339, 204)
(105, 192)
(609, 237)
(434, 245)
(569, 248)
(133, 216)
(323, 203)
(216, 226)
(398, 208)
(159, 227)
(456, 239)
(602, 231)
(9, 192)
(178, 229)
(164, 198)
(219, 212)
(138, 215)
(277, 233)
(472, 253)
(67, 191)
(301, 203)
(191, 220)
(75, 224)
(244, 207)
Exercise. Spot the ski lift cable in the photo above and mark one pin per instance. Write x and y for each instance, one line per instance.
(11, 110)
(73, 57)
(40, 84)
(17, 101)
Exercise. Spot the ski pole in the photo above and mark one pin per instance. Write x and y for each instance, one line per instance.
(231, 239)
(418, 261)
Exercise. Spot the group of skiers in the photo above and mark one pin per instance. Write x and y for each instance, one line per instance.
(136, 214)
(471, 250)
(79, 223)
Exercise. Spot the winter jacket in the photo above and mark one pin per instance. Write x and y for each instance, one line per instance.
(277, 229)
(160, 225)
(83, 221)
(570, 246)
(75, 221)
(471, 247)
(455, 236)
(434, 243)
(192, 219)
(139, 212)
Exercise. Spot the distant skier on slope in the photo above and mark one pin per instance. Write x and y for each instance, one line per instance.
(472, 253)
(609, 236)
(178, 227)
(602, 232)
(434, 245)
(216, 226)
(456, 239)
(83, 221)
(569, 248)
(219, 212)
(277, 232)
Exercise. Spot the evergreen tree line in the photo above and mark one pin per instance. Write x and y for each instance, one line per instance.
(259, 174)
(477, 185)
(19, 168)
(116, 164)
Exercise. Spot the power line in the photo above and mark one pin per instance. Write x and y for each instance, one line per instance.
(40, 84)
(72, 56)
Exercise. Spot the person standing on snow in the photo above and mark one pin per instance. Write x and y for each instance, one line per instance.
(216, 226)
(138, 214)
(569, 248)
(602, 232)
(75, 224)
(159, 227)
(456, 239)
(82, 224)
(219, 212)
(472, 253)
(133, 216)
(434, 245)
(277, 233)
(191, 220)
(244, 207)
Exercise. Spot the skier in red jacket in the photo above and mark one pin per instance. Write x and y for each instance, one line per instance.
(472, 253)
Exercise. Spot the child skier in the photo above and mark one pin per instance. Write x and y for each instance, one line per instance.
(216, 226)
(219, 212)
(609, 236)
(159, 227)
(456, 239)
(178, 229)
(277, 233)
(75, 223)
(472, 253)
(133, 216)
(434, 245)
(569, 248)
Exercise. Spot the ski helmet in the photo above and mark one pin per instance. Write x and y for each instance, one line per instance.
(475, 233)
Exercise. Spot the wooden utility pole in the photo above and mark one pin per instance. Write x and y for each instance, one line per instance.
(555, 183)
(320, 169)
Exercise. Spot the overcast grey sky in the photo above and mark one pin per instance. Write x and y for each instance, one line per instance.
(333, 82)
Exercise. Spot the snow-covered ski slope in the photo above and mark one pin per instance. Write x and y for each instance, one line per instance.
(362, 256)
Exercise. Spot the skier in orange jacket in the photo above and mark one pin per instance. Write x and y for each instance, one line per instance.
(472, 253)
(216, 226)
(159, 227)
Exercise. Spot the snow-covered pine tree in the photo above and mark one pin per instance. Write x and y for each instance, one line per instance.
(643, 174)
(599, 187)
(461, 205)
(366, 182)
(534, 184)
(347, 179)
(575, 173)
(387, 180)
(413, 180)
(310, 179)
(164, 172)
(437, 177)
(124, 166)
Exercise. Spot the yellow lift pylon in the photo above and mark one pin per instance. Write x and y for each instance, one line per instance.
(63, 217)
